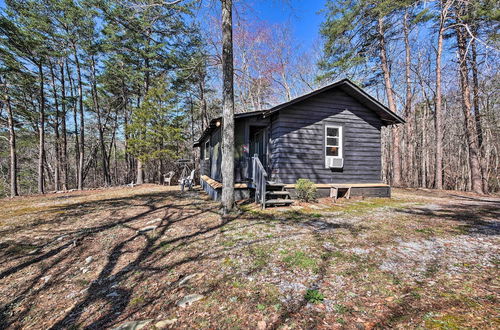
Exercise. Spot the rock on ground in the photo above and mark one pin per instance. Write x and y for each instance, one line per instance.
(165, 323)
(189, 300)
(133, 325)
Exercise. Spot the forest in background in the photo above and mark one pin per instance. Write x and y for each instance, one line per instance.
(100, 93)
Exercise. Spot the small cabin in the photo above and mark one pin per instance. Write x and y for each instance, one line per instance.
(331, 136)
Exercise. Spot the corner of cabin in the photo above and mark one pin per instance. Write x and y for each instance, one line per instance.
(300, 144)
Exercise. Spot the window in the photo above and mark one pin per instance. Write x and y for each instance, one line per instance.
(206, 151)
(333, 141)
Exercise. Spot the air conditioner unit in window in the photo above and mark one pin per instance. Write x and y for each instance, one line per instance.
(332, 162)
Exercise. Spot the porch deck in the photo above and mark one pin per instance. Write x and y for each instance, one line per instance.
(242, 190)
(343, 185)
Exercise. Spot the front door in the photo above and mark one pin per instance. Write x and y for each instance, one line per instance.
(258, 144)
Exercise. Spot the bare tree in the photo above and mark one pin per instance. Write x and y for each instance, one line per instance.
(228, 108)
(469, 122)
(12, 149)
(41, 133)
(396, 159)
(438, 121)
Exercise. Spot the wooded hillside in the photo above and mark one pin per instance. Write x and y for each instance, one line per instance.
(105, 92)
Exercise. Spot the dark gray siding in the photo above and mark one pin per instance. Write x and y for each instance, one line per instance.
(297, 140)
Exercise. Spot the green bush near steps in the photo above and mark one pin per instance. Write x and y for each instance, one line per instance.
(305, 190)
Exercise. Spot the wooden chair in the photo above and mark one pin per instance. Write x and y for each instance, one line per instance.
(167, 178)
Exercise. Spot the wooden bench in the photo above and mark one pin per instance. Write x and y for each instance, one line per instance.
(218, 185)
(336, 187)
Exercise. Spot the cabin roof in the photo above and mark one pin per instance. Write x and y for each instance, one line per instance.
(386, 115)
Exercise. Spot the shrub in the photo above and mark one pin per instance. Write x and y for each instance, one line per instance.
(306, 190)
(314, 296)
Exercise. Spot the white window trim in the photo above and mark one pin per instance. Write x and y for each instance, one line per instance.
(341, 147)
(206, 155)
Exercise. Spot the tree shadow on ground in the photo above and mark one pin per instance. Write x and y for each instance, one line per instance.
(477, 199)
(58, 214)
(475, 220)
(105, 288)
(76, 238)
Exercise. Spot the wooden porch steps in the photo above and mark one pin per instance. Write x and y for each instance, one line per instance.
(277, 195)
(278, 192)
(275, 186)
(280, 201)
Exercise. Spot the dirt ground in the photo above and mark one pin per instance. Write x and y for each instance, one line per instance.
(154, 257)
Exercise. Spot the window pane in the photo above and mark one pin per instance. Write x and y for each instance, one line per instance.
(331, 131)
(332, 151)
(332, 141)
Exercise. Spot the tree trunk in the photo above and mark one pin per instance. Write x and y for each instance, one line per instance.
(227, 108)
(204, 113)
(408, 106)
(396, 168)
(64, 154)
(13, 151)
(140, 165)
(100, 127)
(57, 169)
(140, 172)
(41, 133)
(438, 113)
(128, 157)
(75, 124)
(469, 123)
(81, 147)
(477, 113)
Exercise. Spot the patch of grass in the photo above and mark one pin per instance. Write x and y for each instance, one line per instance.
(445, 321)
(267, 295)
(300, 215)
(368, 205)
(261, 307)
(228, 243)
(137, 301)
(462, 229)
(301, 260)
(341, 309)
(426, 231)
(237, 284)
(228, 262)
(314, 296)
(349, 257)
(261, 256)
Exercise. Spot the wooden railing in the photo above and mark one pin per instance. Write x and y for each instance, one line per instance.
(259, 178)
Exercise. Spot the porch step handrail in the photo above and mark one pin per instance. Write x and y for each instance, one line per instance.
(259, 178)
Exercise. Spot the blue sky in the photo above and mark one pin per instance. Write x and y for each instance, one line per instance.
(302, 14)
